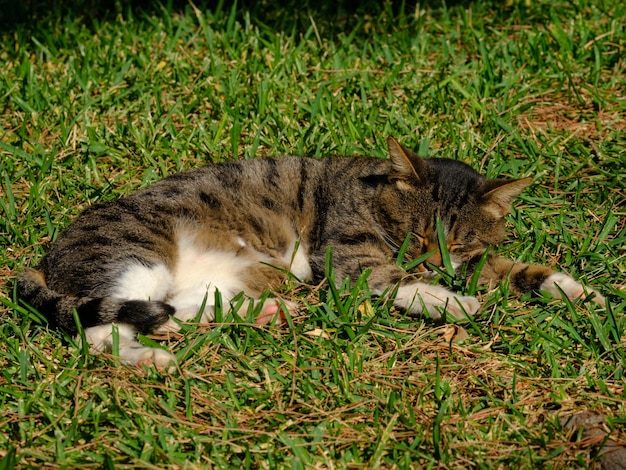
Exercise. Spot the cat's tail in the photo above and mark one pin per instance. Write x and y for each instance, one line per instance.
(58, 308)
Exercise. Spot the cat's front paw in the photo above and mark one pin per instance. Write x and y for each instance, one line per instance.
(571, 288)
(458, 305)
(424, 298)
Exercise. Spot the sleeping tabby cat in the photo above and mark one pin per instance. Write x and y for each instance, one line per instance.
(241, 225)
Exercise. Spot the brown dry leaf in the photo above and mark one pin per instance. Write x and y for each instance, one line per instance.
(454, 333)
(317, 332)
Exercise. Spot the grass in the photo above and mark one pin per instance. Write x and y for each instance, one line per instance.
(99, 101)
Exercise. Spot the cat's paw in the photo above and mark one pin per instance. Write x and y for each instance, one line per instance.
(130, 351)
(424, 298)
(457, 305)
(145, 356)
(273, 312)
(571, 288)
(469, 305)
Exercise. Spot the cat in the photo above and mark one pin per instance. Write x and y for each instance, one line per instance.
(151, 260)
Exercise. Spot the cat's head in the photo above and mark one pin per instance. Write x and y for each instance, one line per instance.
(471, 208)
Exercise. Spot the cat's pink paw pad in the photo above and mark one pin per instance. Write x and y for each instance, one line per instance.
(273, 312)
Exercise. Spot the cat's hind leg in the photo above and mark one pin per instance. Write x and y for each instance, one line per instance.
(197, 278)
(260, 277)
(201, 274)
(102, 339)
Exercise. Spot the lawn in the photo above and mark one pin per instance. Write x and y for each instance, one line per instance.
(98, 101)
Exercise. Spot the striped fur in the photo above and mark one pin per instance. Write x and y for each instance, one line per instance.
(240, 226)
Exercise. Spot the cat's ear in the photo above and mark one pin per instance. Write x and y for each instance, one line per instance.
(405, 163)
(498, 195)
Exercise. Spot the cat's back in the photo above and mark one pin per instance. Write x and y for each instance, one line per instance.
(284, 186)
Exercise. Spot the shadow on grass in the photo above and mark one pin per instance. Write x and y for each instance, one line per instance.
(30, 15)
